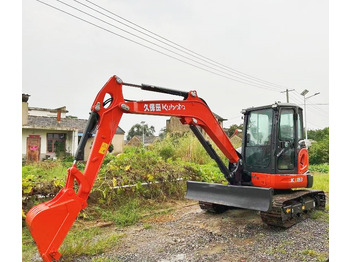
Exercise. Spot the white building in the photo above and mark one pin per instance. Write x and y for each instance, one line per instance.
(44, 130)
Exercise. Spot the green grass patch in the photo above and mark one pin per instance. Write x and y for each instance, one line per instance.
(29, 248)
(147, 226)
(126, 215)
(320, 215)
(103, 259)
(322, 168)
(78, 242)
(319, 256)
(129, 213)
(321, 181)
(89, 241)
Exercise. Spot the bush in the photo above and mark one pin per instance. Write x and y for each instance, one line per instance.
(319, 152)
(167, 152)
(122, 177)
(322, 168)
(185, 147)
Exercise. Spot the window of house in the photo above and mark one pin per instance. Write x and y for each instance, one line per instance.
(56, 142)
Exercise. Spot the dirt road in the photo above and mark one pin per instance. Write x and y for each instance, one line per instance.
(190, 234)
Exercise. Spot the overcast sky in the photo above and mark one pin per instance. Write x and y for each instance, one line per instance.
(66, 61)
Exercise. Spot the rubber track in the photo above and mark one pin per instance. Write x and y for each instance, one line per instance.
(274, 217)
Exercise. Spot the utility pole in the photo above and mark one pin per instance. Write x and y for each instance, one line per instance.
(287, 93)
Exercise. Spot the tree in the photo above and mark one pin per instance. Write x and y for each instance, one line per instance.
(163, 132)
(319, 134)
(319, 150)
(139, 130)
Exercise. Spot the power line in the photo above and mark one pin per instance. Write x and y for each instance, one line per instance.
(320, 104)
(197, 55)
(176, 53)
(191, 53)
(153, 49)
(315, 125)
(311, 106)
(318, 112)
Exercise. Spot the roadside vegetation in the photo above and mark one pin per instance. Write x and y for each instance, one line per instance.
(319, 149)
(131, 187)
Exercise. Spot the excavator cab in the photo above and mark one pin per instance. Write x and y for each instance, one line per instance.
(272, 140)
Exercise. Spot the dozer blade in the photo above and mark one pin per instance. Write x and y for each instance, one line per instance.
(247, 197)
(49, 222)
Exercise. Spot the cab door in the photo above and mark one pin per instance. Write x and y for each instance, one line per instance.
(286, 157)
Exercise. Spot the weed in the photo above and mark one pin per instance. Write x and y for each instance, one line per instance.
(103, 259)
(147, 226)
(321, 181)
(90, 241)
(29, 248)
(125, 215)
(280, 249)
(322, 168)
(312, 253)
(320, 215)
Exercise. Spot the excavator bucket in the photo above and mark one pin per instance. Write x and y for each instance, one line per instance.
(247, 197)
(49, 222)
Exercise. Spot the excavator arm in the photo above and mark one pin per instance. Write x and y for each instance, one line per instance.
(49, 222)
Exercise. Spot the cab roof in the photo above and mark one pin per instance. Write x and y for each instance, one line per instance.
(275, 105)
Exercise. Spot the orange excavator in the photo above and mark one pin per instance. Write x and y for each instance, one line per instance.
(261, 175)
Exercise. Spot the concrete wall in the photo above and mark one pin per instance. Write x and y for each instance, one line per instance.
(117, 141)
(173, 125)
(24, 113)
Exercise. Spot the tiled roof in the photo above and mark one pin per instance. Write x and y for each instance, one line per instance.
(219, 118)
(148, 139)
(63, 109)
(65, 123)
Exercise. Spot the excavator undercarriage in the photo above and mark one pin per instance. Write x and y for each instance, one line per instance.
(287, 209)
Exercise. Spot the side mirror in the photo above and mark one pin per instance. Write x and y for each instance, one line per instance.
(302, 143)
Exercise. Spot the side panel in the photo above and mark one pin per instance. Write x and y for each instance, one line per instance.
(279, 181)
(303, 161)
